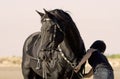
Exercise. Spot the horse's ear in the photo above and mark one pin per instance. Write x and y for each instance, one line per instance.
(46, 11)
(49, 14)
(41, 14)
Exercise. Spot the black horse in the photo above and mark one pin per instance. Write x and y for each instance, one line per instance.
(53, 52)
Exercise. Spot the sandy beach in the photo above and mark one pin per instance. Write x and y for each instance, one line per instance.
(10, 68)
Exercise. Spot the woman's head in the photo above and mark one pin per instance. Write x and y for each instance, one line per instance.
(99, 45)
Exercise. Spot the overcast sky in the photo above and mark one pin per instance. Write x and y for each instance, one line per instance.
(95, 19)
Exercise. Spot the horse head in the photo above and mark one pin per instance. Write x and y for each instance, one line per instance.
(52, 33)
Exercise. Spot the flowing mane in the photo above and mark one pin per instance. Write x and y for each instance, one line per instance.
(72, 34)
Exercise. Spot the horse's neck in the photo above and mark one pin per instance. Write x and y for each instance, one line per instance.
(67, 51)
(36, 47)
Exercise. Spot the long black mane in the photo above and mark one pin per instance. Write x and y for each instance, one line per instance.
(71, 32)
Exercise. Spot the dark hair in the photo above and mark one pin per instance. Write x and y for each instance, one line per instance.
(99, 45)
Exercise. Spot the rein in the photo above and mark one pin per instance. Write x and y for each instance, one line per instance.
(69, 62)
(62, 54)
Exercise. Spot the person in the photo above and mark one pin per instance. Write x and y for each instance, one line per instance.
(101, 68)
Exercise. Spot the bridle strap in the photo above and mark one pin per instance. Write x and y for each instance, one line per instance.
(69, 62)
(62, 54)
(56, 25)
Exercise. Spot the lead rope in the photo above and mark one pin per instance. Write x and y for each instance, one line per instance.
(72, 64)
(72, 74)
(81, 76)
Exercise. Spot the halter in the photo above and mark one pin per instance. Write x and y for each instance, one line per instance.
(57, 26)
(54, 33)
